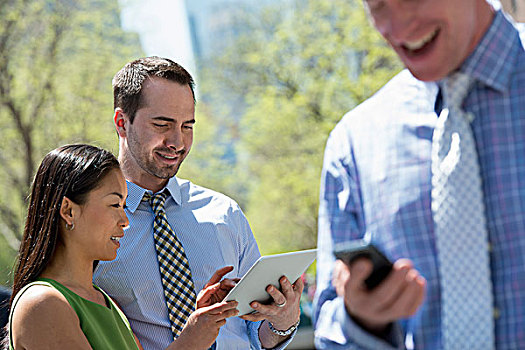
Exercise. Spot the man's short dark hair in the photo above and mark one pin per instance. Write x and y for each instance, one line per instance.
(128, 82)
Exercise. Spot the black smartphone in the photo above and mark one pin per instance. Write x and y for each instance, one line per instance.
(349, 251)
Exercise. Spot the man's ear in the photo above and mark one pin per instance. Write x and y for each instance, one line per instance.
(120, 119)
(68, 211)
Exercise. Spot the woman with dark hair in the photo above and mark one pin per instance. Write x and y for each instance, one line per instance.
(75, 218)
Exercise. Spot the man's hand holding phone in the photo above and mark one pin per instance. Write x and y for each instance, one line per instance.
(397, 296)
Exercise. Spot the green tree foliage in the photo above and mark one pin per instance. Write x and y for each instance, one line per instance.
(57, 58)
(298, 69)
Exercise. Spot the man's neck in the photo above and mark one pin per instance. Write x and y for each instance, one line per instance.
(133, 173)
(485, 15)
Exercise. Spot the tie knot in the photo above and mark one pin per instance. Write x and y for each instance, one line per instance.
(455, 88)
(156, 201)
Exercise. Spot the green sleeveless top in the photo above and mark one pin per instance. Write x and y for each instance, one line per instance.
(105, 327)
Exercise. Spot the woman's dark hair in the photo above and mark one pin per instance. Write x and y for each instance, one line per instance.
(70, 171)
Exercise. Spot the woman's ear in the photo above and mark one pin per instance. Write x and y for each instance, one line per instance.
(68, 212)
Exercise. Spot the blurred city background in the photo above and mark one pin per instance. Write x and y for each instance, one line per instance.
(273, 78)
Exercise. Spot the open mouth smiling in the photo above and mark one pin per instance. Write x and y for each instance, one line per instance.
(168, 156)
(414, 48)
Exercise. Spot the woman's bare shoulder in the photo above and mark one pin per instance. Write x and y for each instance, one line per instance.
(43, 317)
(40, 301)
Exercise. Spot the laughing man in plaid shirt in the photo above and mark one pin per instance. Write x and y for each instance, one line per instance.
(377, 182)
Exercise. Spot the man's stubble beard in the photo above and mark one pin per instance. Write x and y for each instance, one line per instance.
(148, 165)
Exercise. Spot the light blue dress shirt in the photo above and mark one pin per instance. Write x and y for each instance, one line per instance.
(214, 233)
(377, 181)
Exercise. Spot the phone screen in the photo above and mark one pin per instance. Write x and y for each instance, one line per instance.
(352, 250)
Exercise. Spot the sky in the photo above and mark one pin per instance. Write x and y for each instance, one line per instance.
(163, 29)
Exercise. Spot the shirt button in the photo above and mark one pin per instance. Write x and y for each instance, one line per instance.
(489, 247)
(496, 313)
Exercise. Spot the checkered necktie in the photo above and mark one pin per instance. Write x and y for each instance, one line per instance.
(460, 225)
(179, 290)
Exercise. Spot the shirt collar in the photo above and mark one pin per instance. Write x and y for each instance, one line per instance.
(174, 189)
(136, 193)
(495, 56)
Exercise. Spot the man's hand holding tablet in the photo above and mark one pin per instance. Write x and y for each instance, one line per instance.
(266, 292)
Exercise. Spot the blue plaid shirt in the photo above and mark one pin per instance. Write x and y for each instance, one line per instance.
(377, 180)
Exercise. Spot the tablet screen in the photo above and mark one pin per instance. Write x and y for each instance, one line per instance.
(268, 270)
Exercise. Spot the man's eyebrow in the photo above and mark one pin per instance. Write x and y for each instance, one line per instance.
(171, 120)
(163, 118)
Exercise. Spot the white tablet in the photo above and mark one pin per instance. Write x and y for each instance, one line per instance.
(268, 270)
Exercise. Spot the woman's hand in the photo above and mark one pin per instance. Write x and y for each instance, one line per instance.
(202, 327)
(216, 290)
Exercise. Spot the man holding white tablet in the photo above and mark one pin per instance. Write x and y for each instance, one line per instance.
(177, 228)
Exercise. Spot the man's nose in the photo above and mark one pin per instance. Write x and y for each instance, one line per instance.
(174, 140)
(397, 21)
